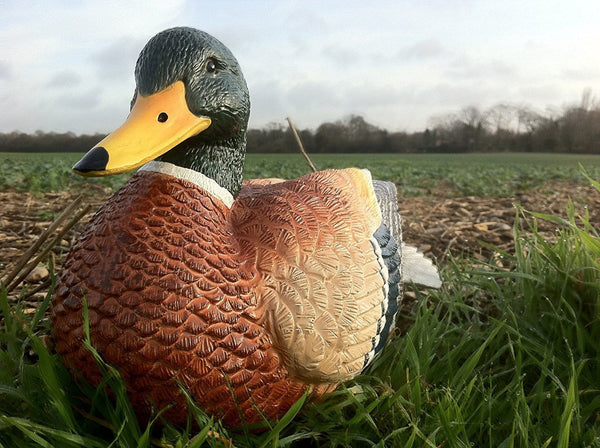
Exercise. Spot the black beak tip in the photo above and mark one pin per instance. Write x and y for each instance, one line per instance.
(95, 159)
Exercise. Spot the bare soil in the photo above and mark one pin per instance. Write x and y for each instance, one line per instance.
(439, 224)
(468, 225)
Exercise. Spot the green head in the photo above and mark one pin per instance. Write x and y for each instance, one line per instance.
(190, 108)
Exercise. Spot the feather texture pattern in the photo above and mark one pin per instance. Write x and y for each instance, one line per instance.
(323, 280)
(172, 300)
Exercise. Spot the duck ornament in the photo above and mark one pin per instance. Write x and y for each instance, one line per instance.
(247, 294)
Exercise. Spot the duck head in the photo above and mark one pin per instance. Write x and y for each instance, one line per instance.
(190, 108)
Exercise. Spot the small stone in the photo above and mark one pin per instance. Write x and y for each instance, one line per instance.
(502, 226)
(38, 274)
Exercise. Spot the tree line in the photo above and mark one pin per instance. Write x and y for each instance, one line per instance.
(503, 127)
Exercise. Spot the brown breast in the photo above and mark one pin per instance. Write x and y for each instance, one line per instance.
(171, 300)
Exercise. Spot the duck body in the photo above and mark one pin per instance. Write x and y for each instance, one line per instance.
(247, 306)
(247, 295)
(172, 299)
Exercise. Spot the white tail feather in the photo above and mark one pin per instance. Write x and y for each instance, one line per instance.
(418, 269)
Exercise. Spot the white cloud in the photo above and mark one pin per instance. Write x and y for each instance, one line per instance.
(69, 65)
(5, 70)
(117, 58)
(423, 49)
(64, 79)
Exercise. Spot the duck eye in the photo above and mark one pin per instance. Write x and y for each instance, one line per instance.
(211, 66)
(162, 117)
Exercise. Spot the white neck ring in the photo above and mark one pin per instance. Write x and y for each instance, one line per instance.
(199, 179)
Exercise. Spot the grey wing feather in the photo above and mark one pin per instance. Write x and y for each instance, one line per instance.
(387, 198)
(402, 263)
(415, 266)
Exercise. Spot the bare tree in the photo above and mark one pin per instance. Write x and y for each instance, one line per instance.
(501, 117)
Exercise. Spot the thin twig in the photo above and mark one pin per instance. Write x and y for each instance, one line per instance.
(52, 263)
(38, 288)
(95, 419)
(41, 239)
(300, 144)
(74, 220)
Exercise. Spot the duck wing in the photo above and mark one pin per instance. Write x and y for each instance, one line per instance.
(324, 283)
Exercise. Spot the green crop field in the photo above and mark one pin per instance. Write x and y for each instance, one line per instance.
(500, 356)
(461, 174)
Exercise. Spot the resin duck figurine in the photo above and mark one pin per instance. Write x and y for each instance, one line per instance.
(248, 295)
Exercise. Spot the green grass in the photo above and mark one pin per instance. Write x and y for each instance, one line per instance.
(47, 172)
(496, 358)
(415, 174)
(499, 174)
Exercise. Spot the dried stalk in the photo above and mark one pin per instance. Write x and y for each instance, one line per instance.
(74, 220)
(52, 263)
(41, 240)
(304, 153)
(38, 288)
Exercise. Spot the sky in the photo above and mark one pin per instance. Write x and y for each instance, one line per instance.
(68, 65)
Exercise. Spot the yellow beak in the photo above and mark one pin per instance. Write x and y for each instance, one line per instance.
(156, 124)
